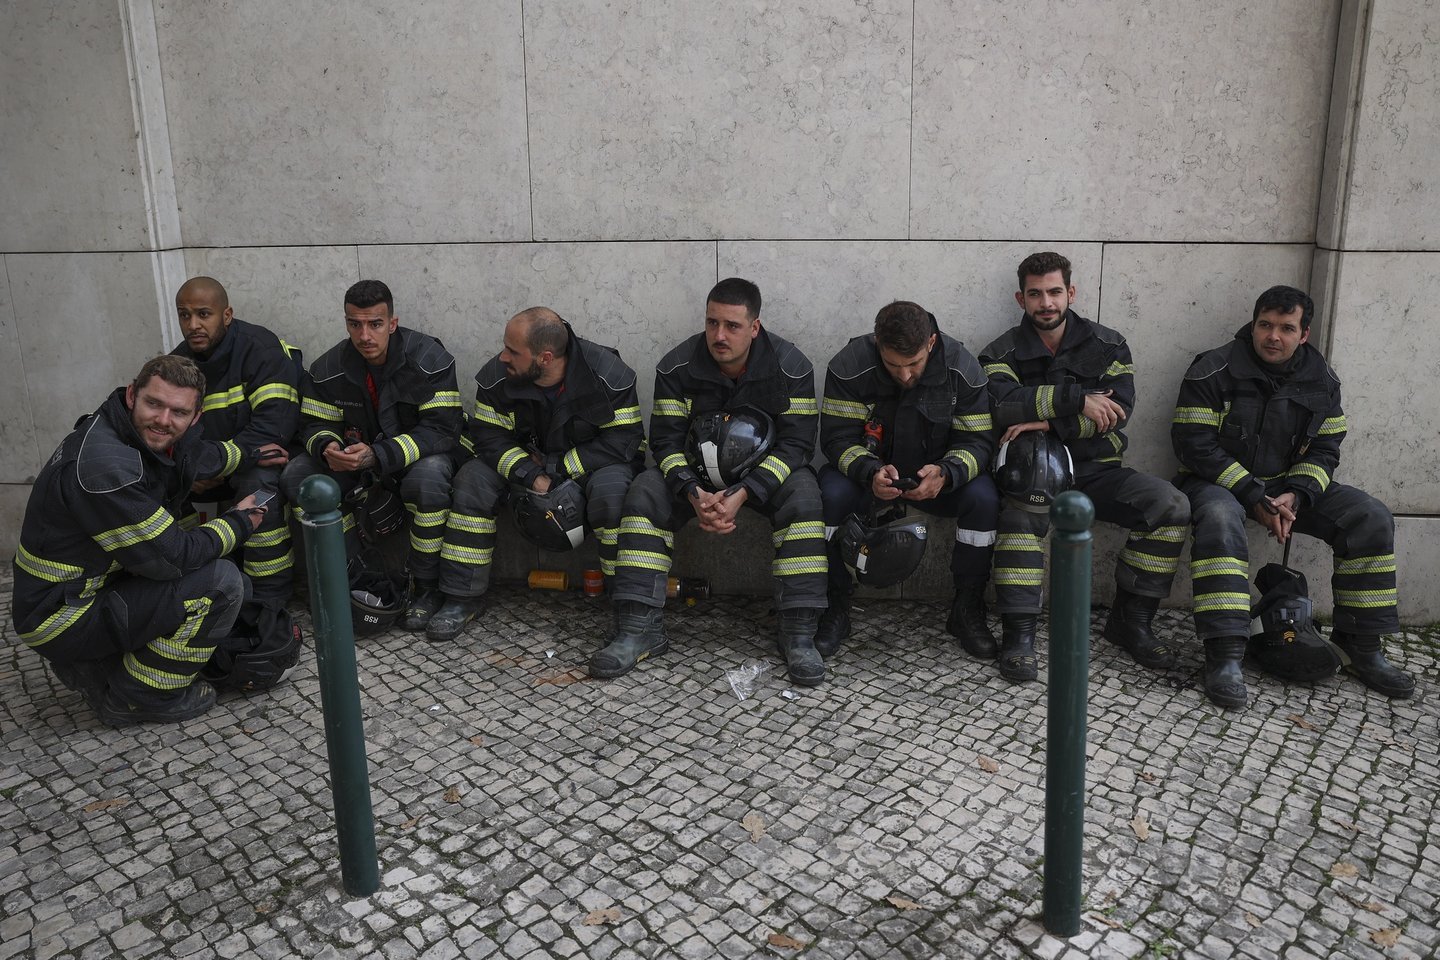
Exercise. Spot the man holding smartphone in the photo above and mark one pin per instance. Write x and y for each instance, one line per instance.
(905, 417)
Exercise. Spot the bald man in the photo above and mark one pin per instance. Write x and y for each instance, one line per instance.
(549, 408)
(250, 411)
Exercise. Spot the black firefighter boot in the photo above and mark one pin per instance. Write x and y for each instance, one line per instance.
(426, 599)
(1017, 647)
(834, 628)
(967, 619)
(1130, 627)
(126, 704)
(1224, 680)
(1365, 658)
(796, 642)
(639, 633)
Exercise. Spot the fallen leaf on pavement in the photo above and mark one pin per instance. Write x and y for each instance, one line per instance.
(1110, 922)
(606, 915)
(1387, 937)
(478, 740)
(1346, 824)
(1251, 919)
(784, 940)
(409, 823)
(561, 678)
(1370, 905)
(1342, 870)
(1141, 826)
(755, 824)
(110, 804)
(988, 765)
(452, 795)
(1148, 777)
(899, 901)
(1301, 722)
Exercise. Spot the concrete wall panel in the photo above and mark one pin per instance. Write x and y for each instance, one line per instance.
(1112, 120)
(641, 298)
(695, 120)
(13, 497)
(68, 167)
(295, 291)
(20, 455)
(1393, 202)
(1174, 301)
(1385, 352)
(86, 323)
(295, 124)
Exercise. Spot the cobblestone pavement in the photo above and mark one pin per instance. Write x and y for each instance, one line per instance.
(897, 811)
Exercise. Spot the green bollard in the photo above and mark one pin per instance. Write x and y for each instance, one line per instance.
(1072, 515)
(339, 684)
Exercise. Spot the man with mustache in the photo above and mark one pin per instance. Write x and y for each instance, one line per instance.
(123, 602)
(1058, 371)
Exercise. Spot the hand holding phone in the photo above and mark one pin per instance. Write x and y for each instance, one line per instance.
(905, 483)
(262, 497)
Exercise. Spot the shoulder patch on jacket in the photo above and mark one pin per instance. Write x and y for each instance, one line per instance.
(330, 364)
(854, 360)
(427, 353)
(793, 362)
(963, 362)
(678, 356)
(490, 376)
(1209, 363)
(105, 463)
(1005, 343)
(1107, 335)
(606, 363)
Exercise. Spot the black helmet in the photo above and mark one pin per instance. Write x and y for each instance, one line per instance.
(261, 651)
(882, 551)
(1033, 469)
(377, 598)
(723, 447)
(1283, 638)
(554, 520)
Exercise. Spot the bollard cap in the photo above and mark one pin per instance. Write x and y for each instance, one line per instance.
(1072, 512)
(319, 494)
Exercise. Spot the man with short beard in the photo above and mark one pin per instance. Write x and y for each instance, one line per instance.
(549, 408)
(123, 602)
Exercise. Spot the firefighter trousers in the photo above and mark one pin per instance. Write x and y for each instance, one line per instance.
(652, 516)
(1359, 529)
(266, 556)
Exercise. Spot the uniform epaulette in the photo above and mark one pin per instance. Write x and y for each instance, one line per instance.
(960, 360)
(793, 362)
(330, 364)
(855, 359)
(1003, 344)
(1113, 337)
(106, 463)
(678, 356)
(605, 363)
(490, 375)
(1209, 363)
(427, 353)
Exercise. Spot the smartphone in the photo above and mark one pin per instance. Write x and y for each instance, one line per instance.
(262, 497)
(905, 483)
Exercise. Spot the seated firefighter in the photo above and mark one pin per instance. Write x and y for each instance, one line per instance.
(556, 427)
(733, 425)
(123, 602)
(380, 412)
(906, 420)
(1059, 372)
(1257, 429)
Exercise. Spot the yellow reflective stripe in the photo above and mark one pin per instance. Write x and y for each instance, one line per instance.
(798, 566)
(1333, 425)
(426, 518)
(320, 410)
(1149, 562)
(232, 457)
(223, 532)
(1219, 567)
(571, 463)
(1084, 426)
(623, 417)
(1201, 416)
(1173, 533)
(425, 544)
(409, 449)
(223, 398)
(347, 522)
(268, 568)
(269, 538)
(672, 462)
(290, 349)
(274, 391)
(775, 467)
(322, 439)
(467, 443)
(1215, 602)
(133, 533)
(645, 559)
(665, 407)
(1018, 576)
(972, 467)
(51, 570)
(640, 526)
(1118, 369)
(488, 414)
(1045, 402)
(442, 398)
(55, 624)
(799, 530)
(849, 409)
(1017, 541)
(850, 455)
(973, 422)
(1001, 370)
(1365, 598)
(1232, 475)
(1355, 566)
(471, 556)
(607, 535)
(468, 524)
(801, 407)
(509, 460)
(1310, 470)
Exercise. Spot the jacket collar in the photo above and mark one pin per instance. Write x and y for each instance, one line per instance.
(761, 364)
(1031, 347)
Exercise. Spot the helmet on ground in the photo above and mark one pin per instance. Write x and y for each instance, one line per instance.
(1033, 469)
(1283, 638)
(555, 519)
(882, 551)
(377, 598)
(261, 651)
(724, 447)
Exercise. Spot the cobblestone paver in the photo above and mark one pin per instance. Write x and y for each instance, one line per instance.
(897, 811)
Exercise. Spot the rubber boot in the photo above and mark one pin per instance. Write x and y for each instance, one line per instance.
(967, 619)
(117, 710)
(1365, 658)
(452, 617)
(426, 601)
(1016, 655)
(89, 678)
(796, 641)
(639, 633)
(834, 628)
(1224, 680)
(1130, 627)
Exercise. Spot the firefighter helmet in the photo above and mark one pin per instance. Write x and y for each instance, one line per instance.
(555, 519)
(723, 447)
(1033, 469)
(1283, 638)
(882, 551)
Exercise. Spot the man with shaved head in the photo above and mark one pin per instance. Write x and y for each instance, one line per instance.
(251, 408)
(556, 426)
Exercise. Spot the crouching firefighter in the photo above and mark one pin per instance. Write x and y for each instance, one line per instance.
(733, 425)
(123, 602)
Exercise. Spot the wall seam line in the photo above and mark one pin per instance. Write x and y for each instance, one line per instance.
(525, 89)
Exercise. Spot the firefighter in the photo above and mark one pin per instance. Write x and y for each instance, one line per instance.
(124, 603)
(737, 382)
(381, 413)
(557, 427)
(1058, 371)
(906, 418)
(250, 411)
(1257, 429)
